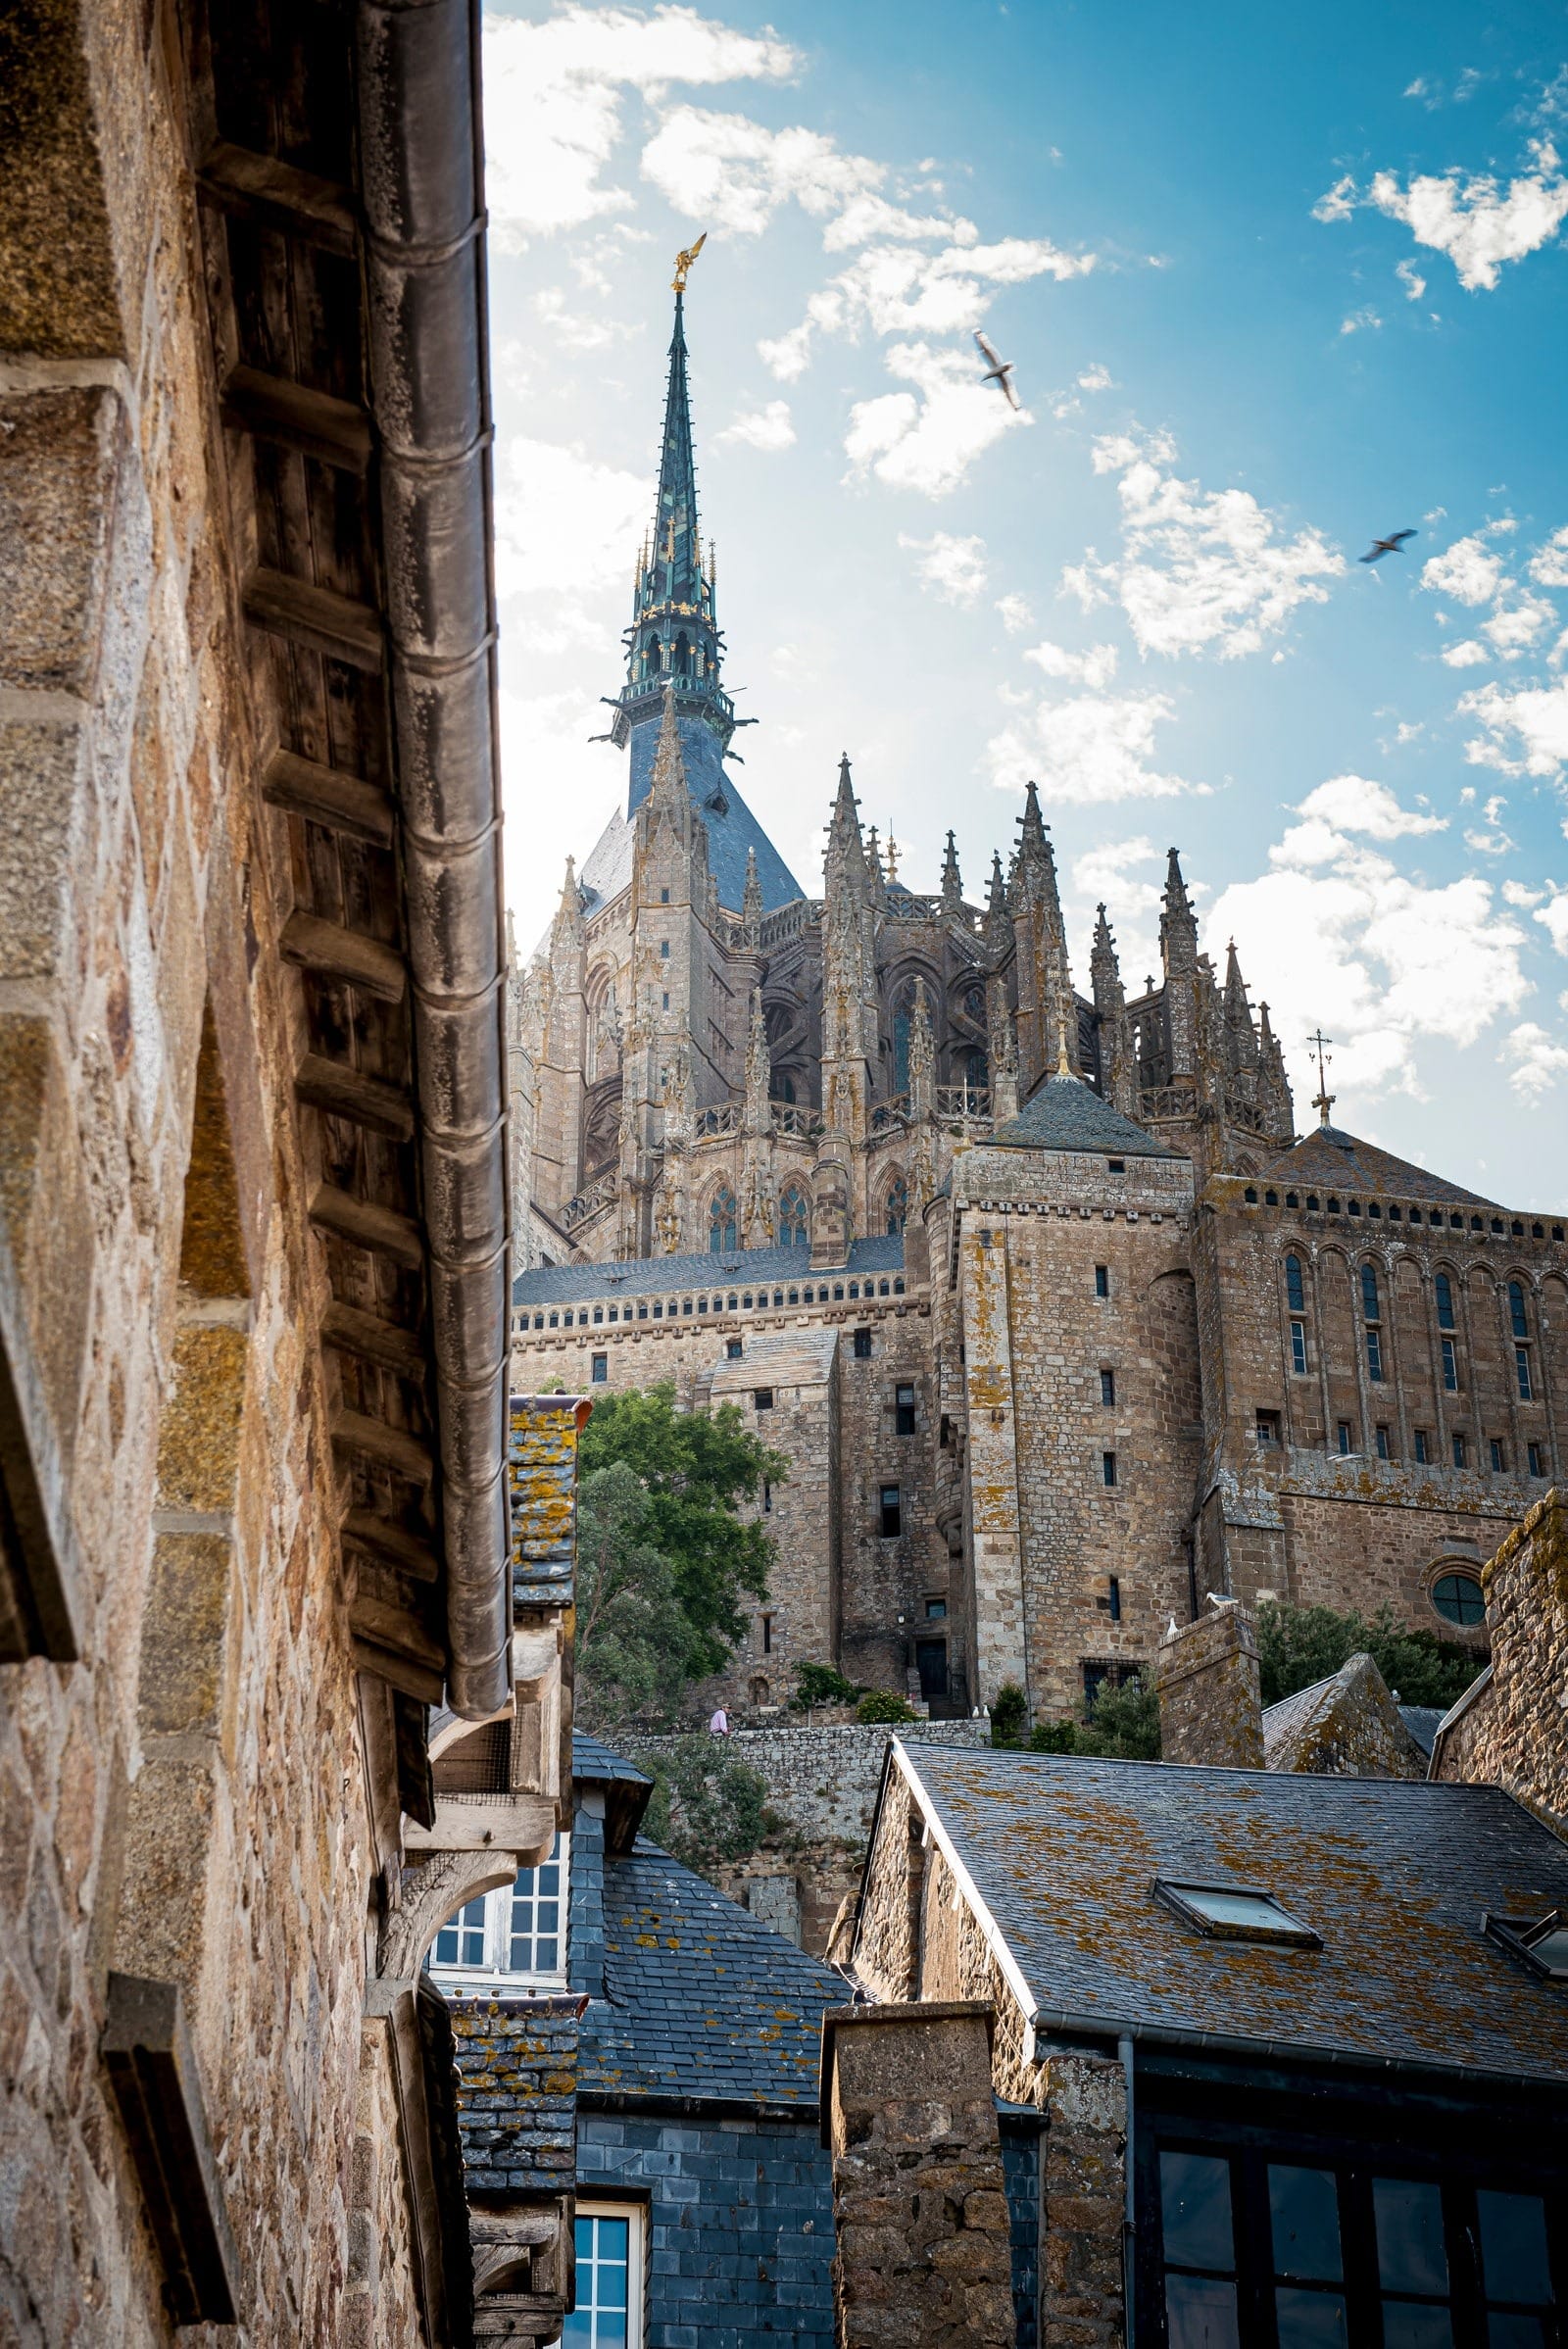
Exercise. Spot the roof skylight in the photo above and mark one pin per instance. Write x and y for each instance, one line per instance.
(1235, 1912)
(1542, 1942)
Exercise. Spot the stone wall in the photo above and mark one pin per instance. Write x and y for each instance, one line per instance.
(1518, 1737)
(184, 1788)
(919, 2199)
(830, 1605)
(1070, 1571)
(1210, 1690)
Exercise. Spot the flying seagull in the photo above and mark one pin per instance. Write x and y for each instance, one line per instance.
(1394, 543)
(997, 369)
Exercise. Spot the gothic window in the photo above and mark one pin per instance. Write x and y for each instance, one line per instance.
(683, 656)
(651, 659)
(903, 1014)
(784, 1089)
(898, 1205)
(1516, 1310)
(976, 1071)
(1369, 1293)
(1444, 1295)
(1295, 1295)
(722, 1222)
(794, 1218)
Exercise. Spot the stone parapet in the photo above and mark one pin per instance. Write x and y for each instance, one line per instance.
(919, 2199)
(1210, 1689)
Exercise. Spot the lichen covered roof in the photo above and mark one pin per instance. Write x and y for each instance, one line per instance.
(701, 1999)
(1066, 1115)
(734, 1268)
(1340, 1161)
(1393, 1874)
(542, 1432)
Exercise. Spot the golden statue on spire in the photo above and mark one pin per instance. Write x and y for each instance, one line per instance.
(683, 264)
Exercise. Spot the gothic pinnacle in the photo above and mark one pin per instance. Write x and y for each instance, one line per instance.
(952, 883)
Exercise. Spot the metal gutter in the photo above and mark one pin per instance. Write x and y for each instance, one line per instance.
(422, 170)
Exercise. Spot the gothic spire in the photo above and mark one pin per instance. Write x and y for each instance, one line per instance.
(999, 920)
(845, 850)
(1106, 969)
(1178, 924)
(675, 635)
(567, 925)
(1240, 1038)
(952, 884)
(752, 901)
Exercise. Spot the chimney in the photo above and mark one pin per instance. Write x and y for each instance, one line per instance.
(918, 2201)
(1210, 1690)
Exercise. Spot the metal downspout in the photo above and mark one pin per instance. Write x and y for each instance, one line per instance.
(420, 148)
(1129, 2224)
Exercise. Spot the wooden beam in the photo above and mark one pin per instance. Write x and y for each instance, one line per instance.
(388, 1446)
(239, 181)
(396, 1628)
(155, 2082)
(273, 408)
(339, 1090)
(341, 803)
(365, 1225)
(386, 1343)
(313, 944)
(316, 617)
(379, 1539)
(519, 1822)
(398, 1671)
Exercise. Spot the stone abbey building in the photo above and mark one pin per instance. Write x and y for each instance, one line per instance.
(1059, 1323)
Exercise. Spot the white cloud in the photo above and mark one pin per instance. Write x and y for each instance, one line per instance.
(1359, 319)
(927, 444)
(1114, 452)
(1095, 747)
(1538, 1060)
(576, 330)
(552, 102)
(770, 428)
(1526, 727)
(1549, 566)
(1411, 278)
(1203, 571)
(896, 289)
(1477, 223)
(737, 174)
(1338, 203)
(1513, 626)
(567, 527)
(1096, 667)
(1095, 378)
(1015, 612)
(1468, 570)
(1492, 841)
(1554, 916)
(1379, 958)
(953, 568)
(1468, 655)
(1354, 804)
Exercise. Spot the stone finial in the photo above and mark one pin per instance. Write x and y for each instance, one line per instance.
(1178, 924)
(952, 883)
(1210, 1689)
(920, 2204)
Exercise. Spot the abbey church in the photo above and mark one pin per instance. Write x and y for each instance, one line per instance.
(1058, 1322)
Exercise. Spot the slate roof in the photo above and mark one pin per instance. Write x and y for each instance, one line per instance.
(600, 1764)
(664, 1276)
(729, 823)
(1422, 1720)
(542, 1432)
(701, 2001)
(1066, 1115)
(1393, 1874)
(1337, 1160)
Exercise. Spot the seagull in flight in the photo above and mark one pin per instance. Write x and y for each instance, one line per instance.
(997, 369)
(1394, 543)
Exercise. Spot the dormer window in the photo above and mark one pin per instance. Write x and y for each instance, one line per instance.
(1235, 1912)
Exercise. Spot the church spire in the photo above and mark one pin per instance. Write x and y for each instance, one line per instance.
(673, 638)
(951, 884)
(1241, 1039)
(998, 919)
(1178, 924)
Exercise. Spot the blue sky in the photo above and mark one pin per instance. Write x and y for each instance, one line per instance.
(1274, 282)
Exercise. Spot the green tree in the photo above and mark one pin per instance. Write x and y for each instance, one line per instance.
(881, 1706)
(821, 1684)
(706, 1807)
(696, 1469)
(1123, 1723)
(1008, 1714)
(1300, 1645)
(633, 1639)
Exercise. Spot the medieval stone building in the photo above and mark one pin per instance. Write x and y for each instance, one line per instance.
(1058, 1323)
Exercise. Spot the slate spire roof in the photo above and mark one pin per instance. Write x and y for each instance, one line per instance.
(1066, 1115)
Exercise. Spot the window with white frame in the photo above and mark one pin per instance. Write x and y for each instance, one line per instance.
(512, 1939)
(609, 2313)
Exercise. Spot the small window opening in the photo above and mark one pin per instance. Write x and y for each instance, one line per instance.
(1116, 1598)
(863, 1345)
(1459, 1599)
(1423, 1448)
(1383, 1443)
(732, 1349)
(767, 1635)
(1299, 1347)
(1101, 1280)
(1458, 1451)
(1107, 1467)
(903, 1411)
(891, 1512)
(1343, 1432)
(1235, 1912)
(1494, 1450)
(600, 1369)
(1533, 1453)
(762, 1398)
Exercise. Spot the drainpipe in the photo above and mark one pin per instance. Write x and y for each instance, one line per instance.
(1129, 2225)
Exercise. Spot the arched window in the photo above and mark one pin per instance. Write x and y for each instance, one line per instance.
(1369, 1293)
(1444, 1294)
(976, 1071)
(1516, 1310)
(651, 659)
(722, 1222)
(903, 1011)
(898, 1205)
(683, 656)
(794, 1218)
(1295, 1294)
(784, 1089)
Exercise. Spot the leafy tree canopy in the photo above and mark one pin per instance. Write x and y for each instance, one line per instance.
(821, 1684)
(1123, 1723)
(706, 1806)
(696, 1470)
(881, 1704)
(633, 1637)
(1299, 1646)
